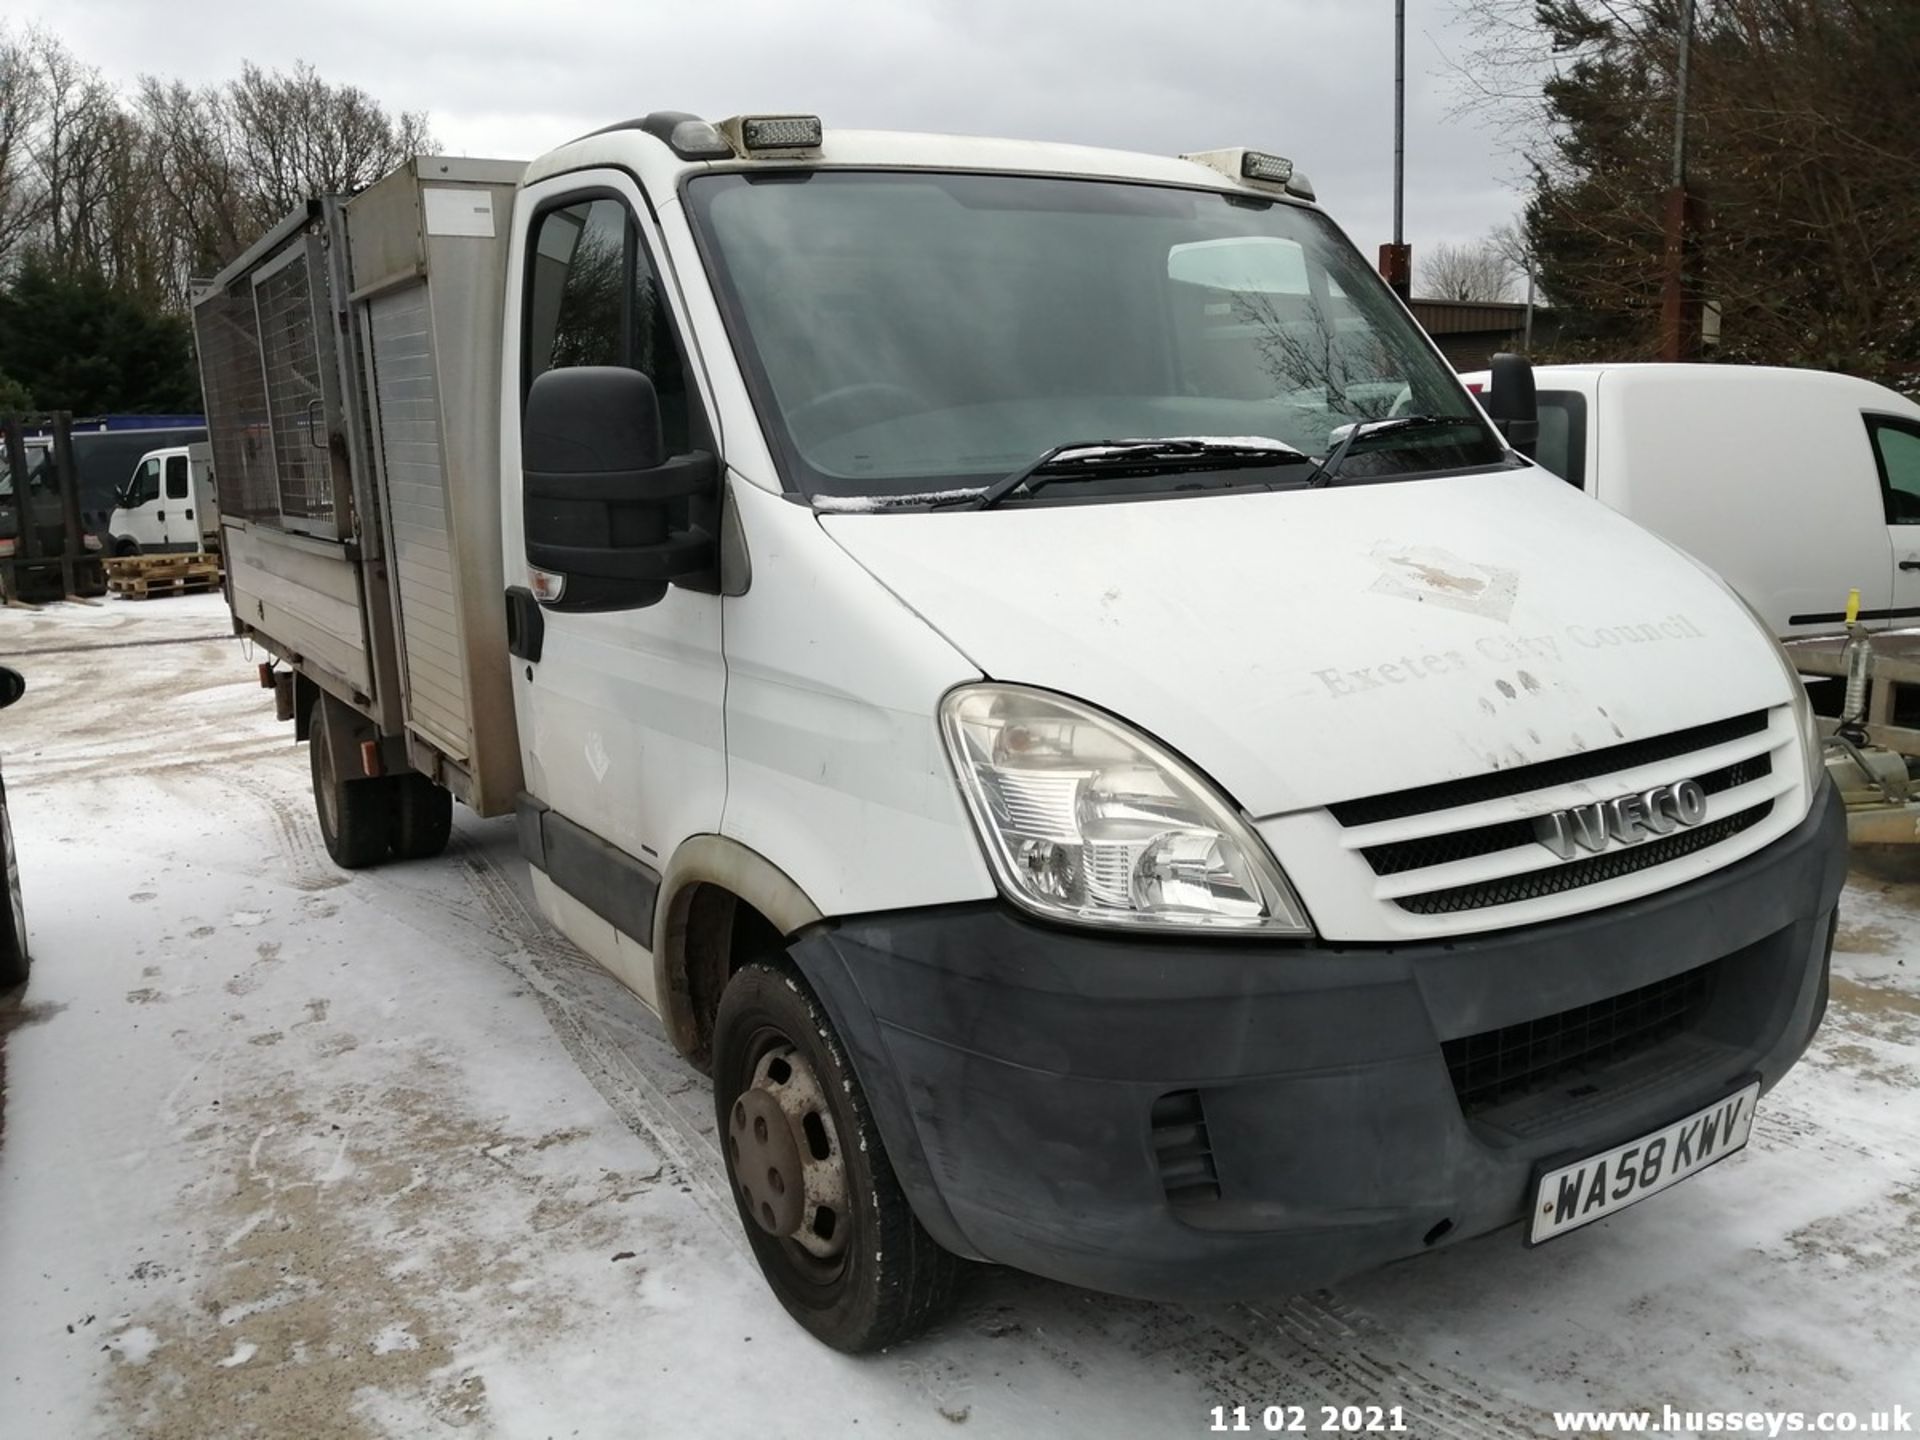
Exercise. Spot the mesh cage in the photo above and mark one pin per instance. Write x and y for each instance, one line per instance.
(296, 398)
(236, 398)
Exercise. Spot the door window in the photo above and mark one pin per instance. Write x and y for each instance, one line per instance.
(594, 298)
(176, 477)
(145, 486)
(1896, 449)
(1563, 435)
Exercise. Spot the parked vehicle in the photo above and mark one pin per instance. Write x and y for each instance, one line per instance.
(1104, 782)
(1795, 485)
(47, 550)
(168, 505)
(14, 959)
(108, 449)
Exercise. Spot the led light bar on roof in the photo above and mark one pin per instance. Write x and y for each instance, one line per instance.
(1255, 167)
(774, 134)
(1258, 165)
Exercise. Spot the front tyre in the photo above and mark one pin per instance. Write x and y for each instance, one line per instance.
(827, 1220)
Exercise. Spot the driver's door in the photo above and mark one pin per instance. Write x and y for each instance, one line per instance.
(621, 714)
(1896, 450)
(142, 523)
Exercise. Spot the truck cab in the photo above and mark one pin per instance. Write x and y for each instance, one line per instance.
(168, 504)
(1034, 668)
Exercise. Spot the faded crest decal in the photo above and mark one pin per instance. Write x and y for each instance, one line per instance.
(1432, 576)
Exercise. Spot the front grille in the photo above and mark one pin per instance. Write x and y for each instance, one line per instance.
(1587, 765)
(1429, 850)
(1497, 1066)
(1182, 1149)
(1533, 884)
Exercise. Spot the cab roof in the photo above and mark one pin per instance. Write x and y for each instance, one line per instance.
(632, 146)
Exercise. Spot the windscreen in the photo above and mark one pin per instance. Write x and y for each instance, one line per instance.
(37, 467)
(908, 332)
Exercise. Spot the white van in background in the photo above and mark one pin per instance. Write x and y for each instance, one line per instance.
(1795, 485)
(168, 505)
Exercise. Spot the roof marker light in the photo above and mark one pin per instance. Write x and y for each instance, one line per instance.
(1258, 165)
(1255, 167)
(698, 140)
(787, 134)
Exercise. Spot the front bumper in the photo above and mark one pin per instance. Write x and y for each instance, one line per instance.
(1014, 1070)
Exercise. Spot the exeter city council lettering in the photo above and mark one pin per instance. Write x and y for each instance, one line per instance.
(1502, 650)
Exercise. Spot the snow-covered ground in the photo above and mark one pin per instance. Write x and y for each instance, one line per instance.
(296, 1153)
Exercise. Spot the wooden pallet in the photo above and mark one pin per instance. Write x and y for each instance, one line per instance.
(133, 567)
(149, 587)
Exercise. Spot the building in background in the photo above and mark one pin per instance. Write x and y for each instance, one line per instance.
(1471, 332)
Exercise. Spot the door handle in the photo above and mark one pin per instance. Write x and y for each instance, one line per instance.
(159, 514)
(1910, 564)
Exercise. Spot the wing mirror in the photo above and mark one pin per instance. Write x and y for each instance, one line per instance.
(606, 509)
(12, 686)
(1511, 403)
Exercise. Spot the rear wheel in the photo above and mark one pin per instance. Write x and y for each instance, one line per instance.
(13, 916)
(422, 818)
(826, 1218)
(356, 816)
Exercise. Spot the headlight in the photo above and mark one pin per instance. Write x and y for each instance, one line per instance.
(1085, 819)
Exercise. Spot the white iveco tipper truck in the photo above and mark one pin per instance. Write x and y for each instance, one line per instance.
(1031, 664)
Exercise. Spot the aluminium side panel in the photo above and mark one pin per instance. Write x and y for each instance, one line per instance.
(281, 435)
(429, 248)
(420, 550)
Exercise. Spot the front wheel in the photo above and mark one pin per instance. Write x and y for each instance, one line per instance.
(834, 1235)
(13, 915)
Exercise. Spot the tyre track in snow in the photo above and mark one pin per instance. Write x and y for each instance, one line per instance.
(1310, 1350)
(1307, 1350)
(657, 1095)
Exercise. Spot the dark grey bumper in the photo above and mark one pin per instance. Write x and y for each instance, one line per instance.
(1015, 1069)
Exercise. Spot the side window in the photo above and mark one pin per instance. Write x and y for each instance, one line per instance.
(146, 484)
(594, 298)
(1563, 435)
(176, 477)
(1896, 449)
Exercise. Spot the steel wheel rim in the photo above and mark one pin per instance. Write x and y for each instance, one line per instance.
(327, 792)
(814, 1258)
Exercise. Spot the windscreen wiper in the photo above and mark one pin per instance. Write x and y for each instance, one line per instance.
(1325, 472)
(1088, 459)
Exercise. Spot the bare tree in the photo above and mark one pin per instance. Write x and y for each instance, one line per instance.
(148, 190)
(1481, 269)
(20, 112)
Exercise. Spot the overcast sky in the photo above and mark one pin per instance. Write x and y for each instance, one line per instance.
(1312, 79)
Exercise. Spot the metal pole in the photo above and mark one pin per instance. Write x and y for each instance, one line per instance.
(1400, 121)
(1526, 339)
(1680, 96)
(1679, 301)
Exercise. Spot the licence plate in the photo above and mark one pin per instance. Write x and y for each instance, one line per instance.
(1569, 1196)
